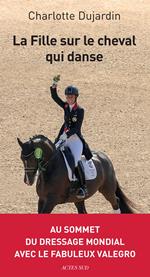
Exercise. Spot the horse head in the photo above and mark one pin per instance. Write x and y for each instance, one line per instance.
(35, 154)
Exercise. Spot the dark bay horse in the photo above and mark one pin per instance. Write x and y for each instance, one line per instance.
(41, 158)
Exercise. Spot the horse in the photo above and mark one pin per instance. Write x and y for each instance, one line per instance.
(41, 158)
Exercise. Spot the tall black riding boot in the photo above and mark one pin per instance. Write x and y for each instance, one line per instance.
(79, 171)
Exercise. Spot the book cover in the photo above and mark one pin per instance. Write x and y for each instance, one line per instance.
(82, 65)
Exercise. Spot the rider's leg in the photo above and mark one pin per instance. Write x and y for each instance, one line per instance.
(81, 177)
(76, 147)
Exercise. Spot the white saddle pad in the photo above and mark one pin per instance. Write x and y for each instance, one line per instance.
(89, 169)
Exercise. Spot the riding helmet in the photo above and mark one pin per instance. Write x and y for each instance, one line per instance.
(71, 90)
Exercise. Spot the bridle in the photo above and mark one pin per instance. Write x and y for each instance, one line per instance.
(40, 166)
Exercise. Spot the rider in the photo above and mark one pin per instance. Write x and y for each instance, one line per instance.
(70, 132)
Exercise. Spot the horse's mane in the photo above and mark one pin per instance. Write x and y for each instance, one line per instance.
(42, 138)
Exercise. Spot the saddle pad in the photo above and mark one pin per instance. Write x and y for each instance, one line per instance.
(89, 169)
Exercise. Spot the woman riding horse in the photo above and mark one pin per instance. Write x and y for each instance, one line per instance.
(70, 132)
(44, 162)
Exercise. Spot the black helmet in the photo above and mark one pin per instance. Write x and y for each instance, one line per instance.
(71, 90)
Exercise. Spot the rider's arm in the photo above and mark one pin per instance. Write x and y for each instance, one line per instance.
(77, 125)
(55, 97)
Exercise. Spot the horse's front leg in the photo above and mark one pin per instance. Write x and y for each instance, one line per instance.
(40, 205)
(81, 207)
(49, 204)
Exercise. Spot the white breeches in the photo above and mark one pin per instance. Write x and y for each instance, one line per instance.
(76, 146)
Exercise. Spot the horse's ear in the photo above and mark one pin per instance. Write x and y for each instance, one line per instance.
(20, 142)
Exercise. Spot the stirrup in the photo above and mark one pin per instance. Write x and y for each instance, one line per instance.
(80, 193)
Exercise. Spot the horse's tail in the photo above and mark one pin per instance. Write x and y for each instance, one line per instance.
(126, 205)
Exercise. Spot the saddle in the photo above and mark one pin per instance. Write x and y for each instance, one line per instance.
(88, 165)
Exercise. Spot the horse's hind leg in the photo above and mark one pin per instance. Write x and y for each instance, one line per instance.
(80, 207)
(112, 198)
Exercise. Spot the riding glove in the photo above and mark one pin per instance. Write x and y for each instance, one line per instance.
(63, 137)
